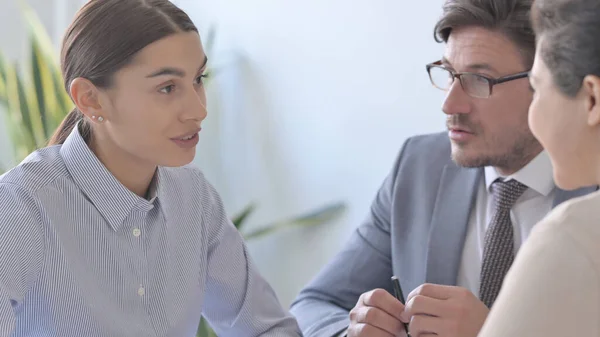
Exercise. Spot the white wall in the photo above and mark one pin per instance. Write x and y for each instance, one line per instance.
(312, 103)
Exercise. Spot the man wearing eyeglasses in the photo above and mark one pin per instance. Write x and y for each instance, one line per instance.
(455, 208)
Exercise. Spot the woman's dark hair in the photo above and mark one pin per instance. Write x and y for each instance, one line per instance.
(104, 37)
(510, 17)
(568, 32)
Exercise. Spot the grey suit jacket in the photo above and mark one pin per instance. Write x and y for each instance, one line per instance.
(415, 230)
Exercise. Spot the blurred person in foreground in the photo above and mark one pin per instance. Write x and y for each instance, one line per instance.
(553, 288)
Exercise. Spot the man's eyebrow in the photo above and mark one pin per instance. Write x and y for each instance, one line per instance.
(471, 67)
(480, 66)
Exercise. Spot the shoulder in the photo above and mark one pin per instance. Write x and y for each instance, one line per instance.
(188, 180)
(423, 157)
(194, 193)
(578, 217)
(19, 187)
(188, 175)
(570, 232)
(437, 142)
(428, 149)
(554, 260)
(562, 247)
(574, 224)
(21, 210)
(37, 171)
(21, 220)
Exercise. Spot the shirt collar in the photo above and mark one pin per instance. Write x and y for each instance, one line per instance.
(113, 200)
(537, 175)
(153, 188)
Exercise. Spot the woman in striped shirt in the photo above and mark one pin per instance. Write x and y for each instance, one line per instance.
(107, 231)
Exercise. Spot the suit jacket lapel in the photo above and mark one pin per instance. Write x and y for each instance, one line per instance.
(454, 202)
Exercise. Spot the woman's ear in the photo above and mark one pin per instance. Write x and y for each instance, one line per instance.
(591, 90)
(86, 97)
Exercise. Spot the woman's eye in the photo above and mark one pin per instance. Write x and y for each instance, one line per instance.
(168, 89)
(200, 79)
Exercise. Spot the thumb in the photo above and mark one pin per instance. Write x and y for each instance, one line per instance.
(405, 316)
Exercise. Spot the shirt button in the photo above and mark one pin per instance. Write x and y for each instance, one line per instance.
(141, 291)
(137, 232)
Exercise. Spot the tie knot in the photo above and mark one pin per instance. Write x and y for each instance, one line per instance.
(506, 193)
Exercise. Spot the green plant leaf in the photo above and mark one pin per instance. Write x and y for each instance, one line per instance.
(3, 94)
(37, 30)
(316, 217)
(209, 43)
(204, 330)
(30, 113)
(52, 100)
(20, 135)
(34, 99)
(40, 78)
(239, 220)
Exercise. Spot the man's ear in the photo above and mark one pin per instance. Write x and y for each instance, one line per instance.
(86, 97)
(591, 92)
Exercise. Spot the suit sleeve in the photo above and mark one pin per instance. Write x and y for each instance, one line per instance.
(21, 251)
(363, 264)
(552, 290)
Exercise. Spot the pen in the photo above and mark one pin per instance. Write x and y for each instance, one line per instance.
(399, 296)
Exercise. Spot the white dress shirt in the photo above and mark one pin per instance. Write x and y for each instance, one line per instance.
(529, 209)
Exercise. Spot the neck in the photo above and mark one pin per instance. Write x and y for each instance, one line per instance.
(513, 166)
(133, 173)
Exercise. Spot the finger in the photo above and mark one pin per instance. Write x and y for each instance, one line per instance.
(365, 330)
(423, 305)
(437, 291)
(377, 318)
(383, 300)
(421, 326)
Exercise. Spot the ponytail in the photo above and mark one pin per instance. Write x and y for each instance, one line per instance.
(67, 125)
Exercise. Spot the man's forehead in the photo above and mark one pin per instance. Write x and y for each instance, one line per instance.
(479, 49)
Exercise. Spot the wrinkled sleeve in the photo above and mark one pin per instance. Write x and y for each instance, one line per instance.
(238, 300)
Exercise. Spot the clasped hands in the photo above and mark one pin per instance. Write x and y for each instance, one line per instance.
(430, 310)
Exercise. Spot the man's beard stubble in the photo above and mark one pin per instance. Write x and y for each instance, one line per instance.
(521, 148)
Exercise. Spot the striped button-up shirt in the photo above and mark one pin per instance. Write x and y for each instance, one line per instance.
(81, 255)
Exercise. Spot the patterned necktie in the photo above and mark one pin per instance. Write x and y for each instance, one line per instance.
(498, 252)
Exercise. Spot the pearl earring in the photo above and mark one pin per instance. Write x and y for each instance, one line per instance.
(100, 119)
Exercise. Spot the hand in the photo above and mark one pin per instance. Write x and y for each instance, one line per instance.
(377, 314)
(444, 311)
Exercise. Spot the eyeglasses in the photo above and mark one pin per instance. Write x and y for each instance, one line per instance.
(474, 85)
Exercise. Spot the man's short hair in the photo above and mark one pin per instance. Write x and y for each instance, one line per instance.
(510, 17)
